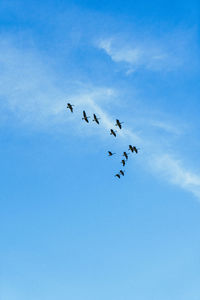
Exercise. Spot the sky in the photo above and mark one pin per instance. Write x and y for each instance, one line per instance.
(69, 228)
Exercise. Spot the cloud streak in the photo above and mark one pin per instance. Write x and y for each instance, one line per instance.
(29, 89)
(148, 52)
(173, 170)
(135, 56)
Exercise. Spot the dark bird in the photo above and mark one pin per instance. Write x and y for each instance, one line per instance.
(122, 172)
(117, 175)
(131, 148)
(85, 117)
(112, 132)
(125, 155)
(110, 153)
(70, 106)
(123, 162)
(119, 124)
(136, 149)
(96, 119)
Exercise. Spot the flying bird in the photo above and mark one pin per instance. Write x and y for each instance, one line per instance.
(113, 132)
(125, 155)
(110, 153)
(122, 172)
(131, 148)
(117, 175)
(119, 124)
(136, 149)
(123, 162)
(96, 119)
(85, 117)
(70, 106)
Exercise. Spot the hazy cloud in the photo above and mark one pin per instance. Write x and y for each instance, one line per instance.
(153, 53)
(29, 89)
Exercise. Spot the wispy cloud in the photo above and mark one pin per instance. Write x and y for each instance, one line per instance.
(135, 55)
(31, 91)
(166, 126)
(165, 53)
(27, 85)
(174, 171)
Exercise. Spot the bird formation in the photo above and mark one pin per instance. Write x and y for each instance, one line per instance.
(113, 132)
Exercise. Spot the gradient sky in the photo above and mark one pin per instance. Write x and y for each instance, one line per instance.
(69, 228)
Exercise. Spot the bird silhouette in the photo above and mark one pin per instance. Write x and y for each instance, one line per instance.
(96, 119)
(110, 153)
(85, 117)
(113, 132)
(131, 148)
(125, 155)
(117, 175)
(70, 106)
(119, 124)
(136, 149)
(123, 162)
(122, 172)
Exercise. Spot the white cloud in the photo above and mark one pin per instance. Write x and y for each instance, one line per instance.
(127, 54)
(31, 91)
(27, 86)
(135, 55)
(166, 126)
(173, 170)
(148, 52)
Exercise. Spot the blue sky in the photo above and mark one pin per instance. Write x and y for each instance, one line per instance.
(69, 228)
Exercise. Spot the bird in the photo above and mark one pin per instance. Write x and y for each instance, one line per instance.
(110, 153)
(96, 119)
(113, 132)
(123, 162)
(125, 155)
(85, 117)
(117, 175)
(131, 148)
(136, 149)
(70, 106)
(119, 124)
(122, 172)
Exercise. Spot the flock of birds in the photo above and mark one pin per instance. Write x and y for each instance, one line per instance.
(112, 132)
